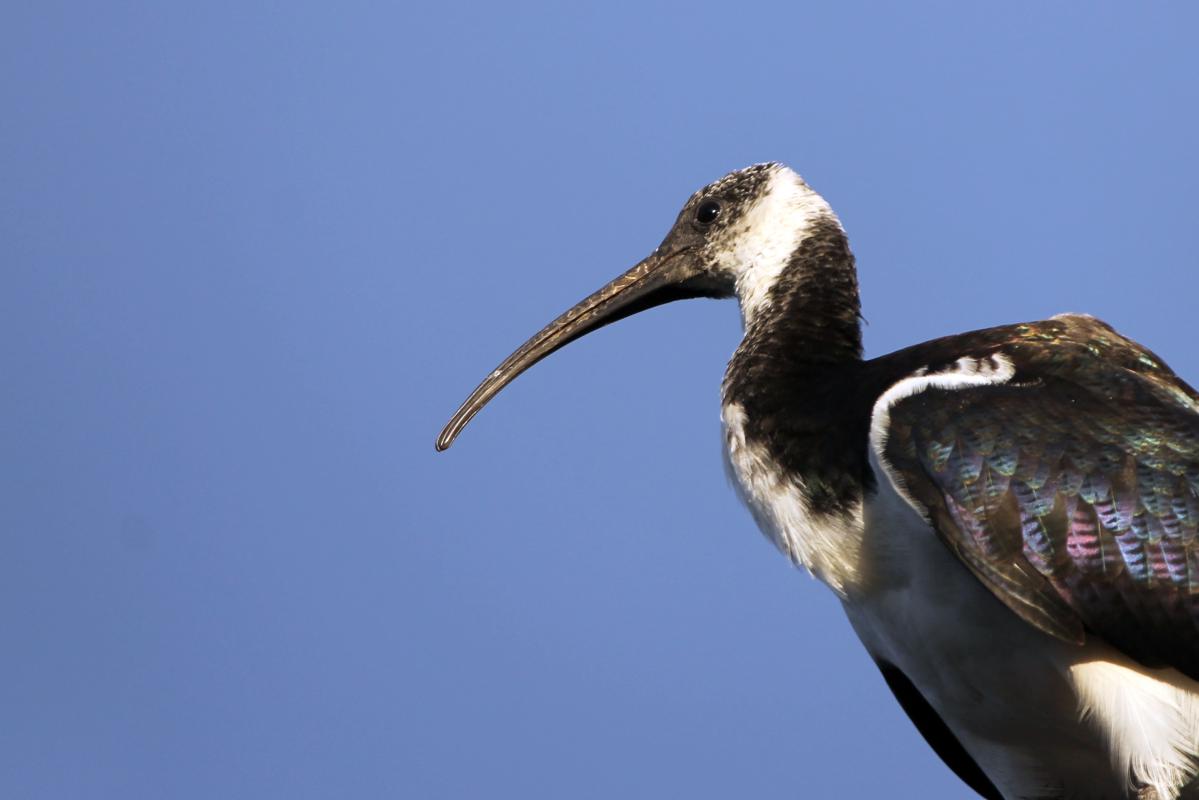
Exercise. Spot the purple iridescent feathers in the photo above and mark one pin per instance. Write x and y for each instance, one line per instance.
(1072, 490)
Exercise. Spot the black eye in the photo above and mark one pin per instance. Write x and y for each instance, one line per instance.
(707, 212)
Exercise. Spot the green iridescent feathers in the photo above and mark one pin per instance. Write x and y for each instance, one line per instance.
(1072, 491)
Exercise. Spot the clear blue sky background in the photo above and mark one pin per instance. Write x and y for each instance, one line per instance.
(253, 255)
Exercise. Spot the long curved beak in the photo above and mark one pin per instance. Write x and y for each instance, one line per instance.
(658, 279)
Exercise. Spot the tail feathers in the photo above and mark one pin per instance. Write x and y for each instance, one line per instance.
(1151, 718)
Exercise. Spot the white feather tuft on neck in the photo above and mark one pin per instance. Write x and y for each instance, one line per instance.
(760, 246)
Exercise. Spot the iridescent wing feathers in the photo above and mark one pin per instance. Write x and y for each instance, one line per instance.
(1068, 482)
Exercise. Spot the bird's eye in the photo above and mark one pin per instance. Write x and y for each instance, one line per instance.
(707, 212)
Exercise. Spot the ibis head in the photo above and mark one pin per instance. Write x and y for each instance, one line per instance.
(734, 237)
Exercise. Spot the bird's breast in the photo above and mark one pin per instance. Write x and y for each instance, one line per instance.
(826, 543)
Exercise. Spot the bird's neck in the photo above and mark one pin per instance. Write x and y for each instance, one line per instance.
(808, 319)
(811, 312)
(796, 373)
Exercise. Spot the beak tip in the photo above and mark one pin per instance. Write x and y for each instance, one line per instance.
(610, 302)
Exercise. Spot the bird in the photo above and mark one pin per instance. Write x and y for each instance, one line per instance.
(1009, 516)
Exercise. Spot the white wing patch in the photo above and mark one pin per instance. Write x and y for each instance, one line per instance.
(966, 371)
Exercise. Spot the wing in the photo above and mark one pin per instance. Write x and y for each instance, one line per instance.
(1069, 484)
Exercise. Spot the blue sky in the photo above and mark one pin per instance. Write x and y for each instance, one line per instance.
(255, 254)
